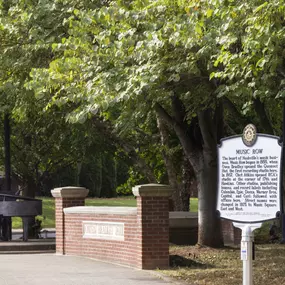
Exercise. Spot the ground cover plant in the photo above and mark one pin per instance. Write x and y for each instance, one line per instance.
(203, 265)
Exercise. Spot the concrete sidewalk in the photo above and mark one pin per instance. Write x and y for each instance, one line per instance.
(51, 269)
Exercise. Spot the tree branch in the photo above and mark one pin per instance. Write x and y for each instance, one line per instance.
(164, 115)
(208, 129)
(234, 111)
(178, 109)
(191, 150)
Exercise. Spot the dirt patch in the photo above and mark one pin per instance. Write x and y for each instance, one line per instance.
(207, 266)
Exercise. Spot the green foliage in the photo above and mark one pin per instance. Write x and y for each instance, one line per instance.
(127, 57)
(134, 179)
(97, 55)
(77, 61)
(127, 201)
(194, 205)
(46, 42)
(251, 52)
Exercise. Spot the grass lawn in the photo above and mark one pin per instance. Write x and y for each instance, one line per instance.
(206, 266)
(47, 216)
(49, 212)
(194, 205)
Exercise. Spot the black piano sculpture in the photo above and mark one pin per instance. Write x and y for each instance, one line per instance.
(17, 206)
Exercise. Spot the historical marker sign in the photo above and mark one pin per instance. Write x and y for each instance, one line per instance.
(249, 177)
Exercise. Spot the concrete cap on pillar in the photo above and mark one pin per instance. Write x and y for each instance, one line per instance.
(70, 192)
(152, 190)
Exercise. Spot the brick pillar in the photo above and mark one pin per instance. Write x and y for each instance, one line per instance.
(153, 225)
(65, 197)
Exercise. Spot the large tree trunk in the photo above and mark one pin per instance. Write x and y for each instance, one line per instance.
(202, 155)
(209, 224)
(210, 232)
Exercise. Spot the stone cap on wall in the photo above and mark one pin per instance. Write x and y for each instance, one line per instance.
(70, 192)
(183, 220)
(101, 210)
(152, 190)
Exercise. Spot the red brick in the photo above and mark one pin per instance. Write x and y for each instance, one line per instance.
(146, 235)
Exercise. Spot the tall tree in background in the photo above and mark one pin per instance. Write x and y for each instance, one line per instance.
(42, 143)
(159, 80)
(137, 57)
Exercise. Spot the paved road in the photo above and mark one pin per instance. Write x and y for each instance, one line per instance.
(51, 269)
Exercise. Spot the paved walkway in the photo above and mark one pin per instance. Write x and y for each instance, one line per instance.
(51, 269)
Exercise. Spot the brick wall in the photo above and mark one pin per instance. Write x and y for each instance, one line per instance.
(123, 252)
(145, 241)
(147, 233)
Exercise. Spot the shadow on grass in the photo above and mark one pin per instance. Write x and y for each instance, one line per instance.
(231, 247)
(180, 261)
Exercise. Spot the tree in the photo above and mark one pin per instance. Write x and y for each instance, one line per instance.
(42, 143)
(160, 76)
(144, 55)
(251, 63)
(250, 59)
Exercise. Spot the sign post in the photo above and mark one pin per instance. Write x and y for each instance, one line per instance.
(246, 249)
(249, 177)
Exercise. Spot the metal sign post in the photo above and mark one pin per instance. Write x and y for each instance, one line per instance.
(249, 179)
(246, 249)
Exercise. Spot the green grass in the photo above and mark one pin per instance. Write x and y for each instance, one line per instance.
(194, 205)
(128, 201)
(48, 215)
